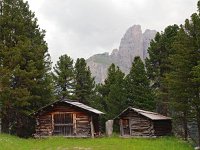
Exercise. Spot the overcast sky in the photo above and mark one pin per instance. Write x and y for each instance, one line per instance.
(81, 28)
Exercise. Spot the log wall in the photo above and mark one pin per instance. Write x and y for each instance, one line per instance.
(81, 125)
(138, 125)
(135, 124)
(44, 125)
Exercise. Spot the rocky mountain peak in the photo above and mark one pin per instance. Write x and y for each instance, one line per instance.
(133, 43)
(148, 35)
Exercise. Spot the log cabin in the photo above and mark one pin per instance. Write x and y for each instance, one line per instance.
(136, 122)
(67, 118)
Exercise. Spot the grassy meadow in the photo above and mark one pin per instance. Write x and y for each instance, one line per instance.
(8, 142)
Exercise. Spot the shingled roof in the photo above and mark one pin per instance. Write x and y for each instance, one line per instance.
(148, 114)
(83, 106)
(73, 103)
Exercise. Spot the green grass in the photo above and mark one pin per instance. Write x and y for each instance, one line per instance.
(8, 142)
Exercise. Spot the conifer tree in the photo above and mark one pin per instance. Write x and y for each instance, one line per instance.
(84, 82)
(196, 100)
(64, 77)
(192, 28)
(179, 79)
(25, 82)
(114, 91)
(111, 95)
(183, 79)
(158, 65)
(139, 93)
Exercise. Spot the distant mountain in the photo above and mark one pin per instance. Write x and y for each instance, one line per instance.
(134, 43)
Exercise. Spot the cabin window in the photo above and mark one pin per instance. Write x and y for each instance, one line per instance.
(63, 124)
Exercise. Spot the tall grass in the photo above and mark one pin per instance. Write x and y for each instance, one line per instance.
(8, 142)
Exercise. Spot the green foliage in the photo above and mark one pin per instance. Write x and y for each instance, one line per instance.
(113, 143)
(111, 95)
(179, 78)
(63, 76)
(115, 91)
(158, 65)
(139, 93)
(183, 78)
(84, 83)
(196, 74)
(25, 82)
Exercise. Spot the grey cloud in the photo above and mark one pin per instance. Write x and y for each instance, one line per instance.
(81, 28)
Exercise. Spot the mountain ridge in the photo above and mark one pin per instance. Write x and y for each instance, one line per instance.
(133, 43)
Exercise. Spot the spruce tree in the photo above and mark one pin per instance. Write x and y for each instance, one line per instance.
(158, 65)
(192, 28)
(116, 96)
(179, 79)
(196, 100)
(139, 93)
(103, 89)
(183, 80)
(111, 94)
(63, 76)
(25, 80)
(84, 82)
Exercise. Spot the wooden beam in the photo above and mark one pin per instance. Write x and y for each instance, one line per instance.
(52, 121)
(0, 125)
(121, 127)
(74, 123)
(92, 127)
(129, 121)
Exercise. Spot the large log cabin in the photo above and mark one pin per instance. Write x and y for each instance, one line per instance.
(67, 118)
(137, 122)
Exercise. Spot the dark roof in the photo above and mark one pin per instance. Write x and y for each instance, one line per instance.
(148, 114)
(74, 103)
(83, 106)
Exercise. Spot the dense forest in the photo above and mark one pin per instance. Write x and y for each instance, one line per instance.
(168, 82)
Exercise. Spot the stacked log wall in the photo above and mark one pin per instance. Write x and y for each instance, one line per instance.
(83, 127)
(81, 121)
(44, 125)
(140, 125)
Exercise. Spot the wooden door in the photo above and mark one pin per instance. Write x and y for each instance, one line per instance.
(63, 124)
(126, 127)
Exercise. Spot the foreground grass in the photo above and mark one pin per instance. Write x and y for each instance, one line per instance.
(8, 142)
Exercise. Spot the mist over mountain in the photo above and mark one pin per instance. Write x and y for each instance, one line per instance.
(133, 43)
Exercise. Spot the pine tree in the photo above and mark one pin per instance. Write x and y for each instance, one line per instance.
(158, 65)
(111, 95)
(179, 79)
(183, 80)
(25, 80)
(116, 97)
(84, 82)
(139, 93)
(192, 27)
(196, 100)
(64, 77)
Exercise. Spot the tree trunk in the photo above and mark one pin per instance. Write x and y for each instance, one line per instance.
(198, 125)
(5, 124)
(185, 125)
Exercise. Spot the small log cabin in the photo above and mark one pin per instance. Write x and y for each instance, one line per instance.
(67, 118)
(137, 122)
